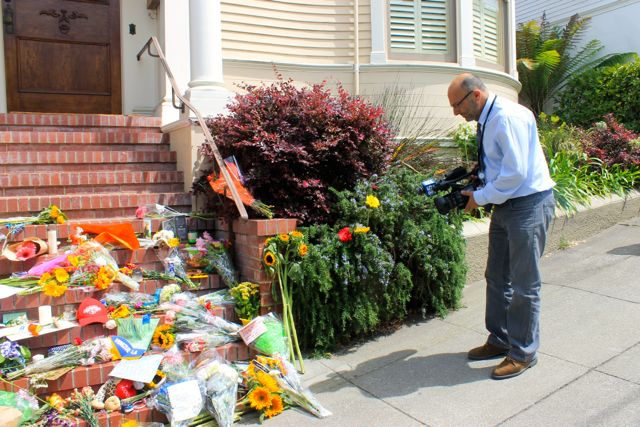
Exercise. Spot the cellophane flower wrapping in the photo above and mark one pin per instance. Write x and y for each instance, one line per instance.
(174, 267)
(220, 383)
(192, 316)
(181, 398)
(94, 266)
(217, 259)
(87, 353)
(290, 382)
(272, 341)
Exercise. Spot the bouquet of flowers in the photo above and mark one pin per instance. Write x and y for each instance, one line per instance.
(12, 356)
(272, 341)
(247, 300)
(220, 384)
(281, 258)
(214, 254)
(48, 215)
(94, 266)
(86, 353)
(261, 390)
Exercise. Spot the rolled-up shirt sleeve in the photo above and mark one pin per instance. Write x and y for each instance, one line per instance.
(507, 152)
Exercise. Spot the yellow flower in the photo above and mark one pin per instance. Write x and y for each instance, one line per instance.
(44, 279)
(53, 289)
(268, 381)
(61, 275)
(372, 202)
(122, 311)
(269, 259)
(55, 212)
(276, 406)
(296, 234)
(162, 337)
(303, 249)
(260, 398)
(74, 260)
(361, 229)
(60, 219)
(174, 242)
(283, 237)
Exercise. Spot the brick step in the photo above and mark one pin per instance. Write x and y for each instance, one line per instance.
(66, 160)
(63, 231)
(79, 120)
(100, 205)
(149, 187)
(96, 375)
(90, 179)
(87, 139)
(37, 147)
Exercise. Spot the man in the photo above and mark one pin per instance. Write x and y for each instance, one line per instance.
(517, 183)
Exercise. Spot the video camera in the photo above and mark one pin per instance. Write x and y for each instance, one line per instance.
(456, 180)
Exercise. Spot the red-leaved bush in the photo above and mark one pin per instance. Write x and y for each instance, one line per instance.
(612, 143)
(293, 144)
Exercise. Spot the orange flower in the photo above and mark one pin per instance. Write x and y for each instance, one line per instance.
(260, 398)
(276, 406)
(303, 249)
(53, 289)
(296, 234)
(268, 381)
(269, 259)
(283, 237)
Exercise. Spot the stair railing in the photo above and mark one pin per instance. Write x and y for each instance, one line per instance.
(175, 92)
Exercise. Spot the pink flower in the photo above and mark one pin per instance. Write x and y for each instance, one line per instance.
(141, 212)
(26, 250)
(345, 235)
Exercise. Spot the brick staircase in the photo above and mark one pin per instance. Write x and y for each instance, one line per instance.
(98, 169)
(90, 165)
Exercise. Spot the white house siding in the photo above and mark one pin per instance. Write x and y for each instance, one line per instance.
(556, 10)
(290, 31)
(613, 23)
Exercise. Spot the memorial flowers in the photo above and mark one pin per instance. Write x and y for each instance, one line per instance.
(281, 258)
(247, 300)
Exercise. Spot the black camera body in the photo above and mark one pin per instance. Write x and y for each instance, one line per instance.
(456, 181)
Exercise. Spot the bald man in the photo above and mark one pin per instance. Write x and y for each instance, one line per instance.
(516, 181)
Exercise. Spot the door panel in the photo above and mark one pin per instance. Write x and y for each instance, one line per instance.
(63, 56)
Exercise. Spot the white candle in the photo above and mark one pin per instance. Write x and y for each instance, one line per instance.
(44, 314)
(52, 241)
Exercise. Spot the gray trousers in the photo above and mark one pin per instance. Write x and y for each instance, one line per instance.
(517, 237)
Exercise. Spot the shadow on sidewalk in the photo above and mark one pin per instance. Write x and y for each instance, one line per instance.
(626, 250)
(399, 374)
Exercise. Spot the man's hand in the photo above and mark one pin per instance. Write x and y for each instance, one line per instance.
(471, 204)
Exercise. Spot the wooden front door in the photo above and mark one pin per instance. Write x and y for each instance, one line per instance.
(62, 55)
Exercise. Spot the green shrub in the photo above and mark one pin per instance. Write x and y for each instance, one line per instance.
(594, 93)
(412, 259)
(464, 136)
(556, 136)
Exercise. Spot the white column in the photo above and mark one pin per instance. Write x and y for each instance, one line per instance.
(173, 19)
(465, 33)
(206, 88)
(510, 35)
(378, 32)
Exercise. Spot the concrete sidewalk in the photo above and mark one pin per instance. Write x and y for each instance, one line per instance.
(589, 361)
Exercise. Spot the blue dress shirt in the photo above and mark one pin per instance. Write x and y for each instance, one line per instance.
(514, 162)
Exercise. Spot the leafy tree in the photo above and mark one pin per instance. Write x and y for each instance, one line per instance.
(547, 56)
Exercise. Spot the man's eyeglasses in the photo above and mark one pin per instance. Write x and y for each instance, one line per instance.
(457, 104)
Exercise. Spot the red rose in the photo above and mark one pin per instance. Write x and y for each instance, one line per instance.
(345, 235)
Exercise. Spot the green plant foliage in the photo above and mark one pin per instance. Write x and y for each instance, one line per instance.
(589, 96)
(411, 259)
(464, 136)
(547, 56)
(555, 136)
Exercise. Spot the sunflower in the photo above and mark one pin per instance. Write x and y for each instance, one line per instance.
(296, 234)
(269, 259)
(268, 381)
(303, 249)
(260, 398)
(283, 237)
(53, 289)
(162, 337)
(276, 406)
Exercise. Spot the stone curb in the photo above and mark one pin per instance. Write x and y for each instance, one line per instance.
(602, 213)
